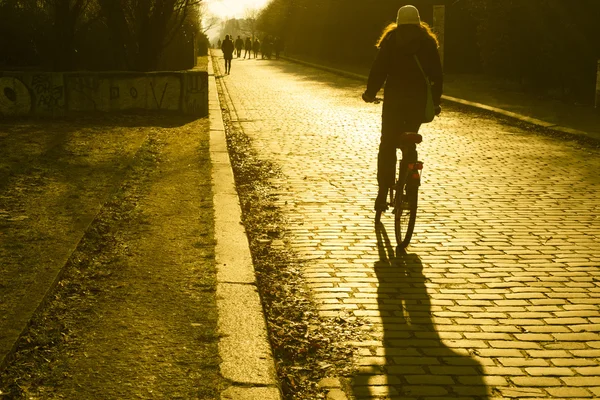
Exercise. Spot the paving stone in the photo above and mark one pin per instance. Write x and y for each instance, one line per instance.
(329, 383)
(534, 337)
(584, 336)
(374, 391)
(547, 353)
(523, 362)
(401, 370)
(589, 371)
(429, 379)
(565, 345)
(488, 380)
(535, 381)
(506, 344)
(504, 262)
(582, 381)
(573, 362)
(567, 392)
(424, 390)
(549, 371)
(504, 371)
(452, 370)
(476, 391)
(520, 393)
(376, 380)
(336, 394)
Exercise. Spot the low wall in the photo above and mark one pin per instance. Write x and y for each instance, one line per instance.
(57, 94)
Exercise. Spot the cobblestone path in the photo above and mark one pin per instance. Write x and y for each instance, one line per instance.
(498, 295)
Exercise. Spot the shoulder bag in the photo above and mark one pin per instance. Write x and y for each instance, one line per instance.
(429, 107)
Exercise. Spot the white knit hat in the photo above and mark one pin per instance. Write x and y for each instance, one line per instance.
(408, 15)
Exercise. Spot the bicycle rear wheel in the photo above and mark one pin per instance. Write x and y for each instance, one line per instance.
(405, 217)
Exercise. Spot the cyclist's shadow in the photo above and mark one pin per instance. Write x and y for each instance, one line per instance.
(413, 361)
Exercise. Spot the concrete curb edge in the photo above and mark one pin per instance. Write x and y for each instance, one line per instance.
(480, 106)
(244, 348)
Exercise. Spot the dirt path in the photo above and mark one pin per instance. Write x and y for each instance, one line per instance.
(134, 315)
(54, 177)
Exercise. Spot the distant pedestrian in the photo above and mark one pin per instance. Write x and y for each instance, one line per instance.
(239, 45)
(227, 48)
(256, 47)
(406, 48)
(248, 48)
(266, 48)
(219, 43)
(278, 45)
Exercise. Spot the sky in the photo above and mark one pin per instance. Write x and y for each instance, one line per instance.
(232, 8)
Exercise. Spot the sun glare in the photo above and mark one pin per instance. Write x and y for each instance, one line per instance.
(233, 8)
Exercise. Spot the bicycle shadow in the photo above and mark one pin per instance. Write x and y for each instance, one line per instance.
(412, 359)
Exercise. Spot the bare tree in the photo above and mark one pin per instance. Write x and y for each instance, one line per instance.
(65, 16)
(209, 21)
(142, 29)
(249, 23)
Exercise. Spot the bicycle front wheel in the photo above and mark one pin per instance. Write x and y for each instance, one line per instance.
(405, 217)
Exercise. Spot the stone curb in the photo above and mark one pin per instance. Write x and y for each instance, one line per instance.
(523, 118)
(246, 358)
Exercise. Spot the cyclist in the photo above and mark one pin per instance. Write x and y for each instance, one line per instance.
(405, 90)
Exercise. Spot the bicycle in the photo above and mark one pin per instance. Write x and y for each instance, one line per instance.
(404, 196)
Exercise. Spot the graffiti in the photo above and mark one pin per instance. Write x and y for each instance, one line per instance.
(87, 87)
(57, 94)
(159, 105)
(15, 98)
(47, 95)
(193, 107)
(114, 92)
(193, 84)
(196, 94)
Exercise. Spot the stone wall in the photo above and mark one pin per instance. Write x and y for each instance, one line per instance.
(57, 94)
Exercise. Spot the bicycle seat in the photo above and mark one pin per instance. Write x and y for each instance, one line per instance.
(412, 137)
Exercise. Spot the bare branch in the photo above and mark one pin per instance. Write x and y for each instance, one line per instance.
(177, 26)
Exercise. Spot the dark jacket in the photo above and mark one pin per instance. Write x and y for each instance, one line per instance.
(239, 43)
(227, 48)
(405, 94)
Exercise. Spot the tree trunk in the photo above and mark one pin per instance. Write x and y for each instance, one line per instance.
(122, 45)
(150, 45)
(64, 36)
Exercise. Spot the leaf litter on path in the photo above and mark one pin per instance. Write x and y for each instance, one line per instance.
(306, 347)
